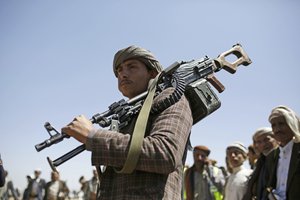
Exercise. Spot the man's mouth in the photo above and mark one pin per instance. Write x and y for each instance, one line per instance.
(125, 82)
(279, 134)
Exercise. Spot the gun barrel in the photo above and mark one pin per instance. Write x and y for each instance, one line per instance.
(52, 140)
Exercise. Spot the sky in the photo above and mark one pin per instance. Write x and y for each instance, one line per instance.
(56, 63)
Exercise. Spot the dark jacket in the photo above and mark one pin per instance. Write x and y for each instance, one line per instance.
(40, 188)
(2, 175)
(257, 183)
(293, 181)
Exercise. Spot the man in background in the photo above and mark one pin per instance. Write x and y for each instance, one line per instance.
(36, 187)
(93, 185)
(236, 183)
(56, 189)
(285, 172)
(252, 156)
(8, 191)
(264, 142)
(2, 173)
(203, 180)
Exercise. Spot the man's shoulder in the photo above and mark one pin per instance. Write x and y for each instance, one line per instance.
(272, 155)
(170, 94)
(62, 183)
(164, 93)
(189, 169)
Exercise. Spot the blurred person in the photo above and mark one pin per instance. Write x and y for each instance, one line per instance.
(285, 172)
(56, 189)
(159, 168)
(252, 156)
(203, 180)
(36, 187)
(93, 185)
(236, 183)
(264, 142)
(2, 173)
(8, 191)
(228, 166)
(29, 178)
(84, 189)
(186, 166)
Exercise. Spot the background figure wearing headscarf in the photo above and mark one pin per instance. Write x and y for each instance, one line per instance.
(203, 181)
(252, 156)
(285, 173)
(264, 143)
(236, 183)
(36, 186)
(93, 185)
(56, 189)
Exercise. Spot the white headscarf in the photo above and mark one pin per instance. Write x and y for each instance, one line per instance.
(240, 146)
(291, 119)
(262, 131)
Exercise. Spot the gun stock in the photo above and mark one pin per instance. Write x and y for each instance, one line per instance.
(242, 58)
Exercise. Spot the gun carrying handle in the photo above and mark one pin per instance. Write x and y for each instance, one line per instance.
(242, 59)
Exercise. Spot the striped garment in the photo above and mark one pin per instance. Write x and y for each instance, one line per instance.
(158, 174)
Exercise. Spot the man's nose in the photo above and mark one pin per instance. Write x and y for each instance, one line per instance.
(123, 71)
(123, 74)
(232, 154)
(275, 128)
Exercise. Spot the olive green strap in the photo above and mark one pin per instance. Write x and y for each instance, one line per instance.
(139, 131)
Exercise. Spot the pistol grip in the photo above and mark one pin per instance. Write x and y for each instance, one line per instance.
(215, 82)
(242, 59)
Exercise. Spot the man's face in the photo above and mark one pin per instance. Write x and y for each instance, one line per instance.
(82, 181)
(54, 176)
(133, 77)
(265, 143)
(282, 132)
(235, 157)
(200, 158)
(95, 174)
(252, 156)
(37, 173)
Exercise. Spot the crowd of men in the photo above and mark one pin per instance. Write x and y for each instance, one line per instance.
(56, 189)
(274, 159)
(273, 172)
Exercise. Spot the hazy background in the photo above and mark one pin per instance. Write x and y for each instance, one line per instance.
(56, 63)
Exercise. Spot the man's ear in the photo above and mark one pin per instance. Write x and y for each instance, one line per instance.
(153, 73)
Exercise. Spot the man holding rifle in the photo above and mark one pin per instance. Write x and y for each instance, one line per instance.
(157, 173)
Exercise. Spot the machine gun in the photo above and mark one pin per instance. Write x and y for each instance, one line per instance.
(189, 78)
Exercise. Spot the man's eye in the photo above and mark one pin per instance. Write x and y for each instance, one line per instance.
(131, 67)
(119, 70)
